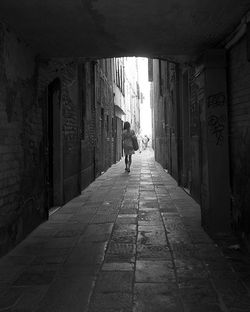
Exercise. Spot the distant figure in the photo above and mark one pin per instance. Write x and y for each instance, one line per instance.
(127, 135)
(145, 141)
(139, 138)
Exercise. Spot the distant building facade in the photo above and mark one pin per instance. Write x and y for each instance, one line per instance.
(133, 95)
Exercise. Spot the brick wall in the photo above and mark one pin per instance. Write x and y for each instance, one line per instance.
(66, 71)
(239, 124)
(21, 170)
(105, 113)
(197, 96)
(88, 137)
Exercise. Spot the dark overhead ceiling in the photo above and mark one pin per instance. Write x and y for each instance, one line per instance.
(106, 28)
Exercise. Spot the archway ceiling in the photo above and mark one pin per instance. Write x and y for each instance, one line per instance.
(107, 28)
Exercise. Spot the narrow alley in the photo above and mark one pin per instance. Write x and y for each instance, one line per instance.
(129, 242)
(86, 84)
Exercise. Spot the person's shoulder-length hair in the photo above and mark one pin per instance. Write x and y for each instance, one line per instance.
(126, 125)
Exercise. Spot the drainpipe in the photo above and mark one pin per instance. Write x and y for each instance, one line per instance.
(239, 32)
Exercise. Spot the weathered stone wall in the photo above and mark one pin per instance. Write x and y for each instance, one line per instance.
(88, 129)
(69, 131)
(239, 139)
(173, 102)
(197, 96)
(87, 112)
(207, 169)
(211, 81)
(118, 137)
(104, 115)
(21, 144)
(66, 71)
(165, 115)
(159, 114)
(184, 129)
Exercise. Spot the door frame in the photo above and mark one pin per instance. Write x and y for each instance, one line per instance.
(54, 141)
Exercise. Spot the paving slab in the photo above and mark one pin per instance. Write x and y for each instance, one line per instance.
(118, 266)
(131, 242)
(160, 297)
(114, 281)
(154, 271)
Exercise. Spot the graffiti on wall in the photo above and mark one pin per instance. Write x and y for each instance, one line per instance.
(216, 100)
(216, 118)
(216, 126)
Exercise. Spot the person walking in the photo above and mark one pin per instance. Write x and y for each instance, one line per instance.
(145, 141)
(139, 138)
(127, 135)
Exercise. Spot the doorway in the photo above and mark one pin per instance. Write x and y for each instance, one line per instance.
(54, 146)
(185, 122)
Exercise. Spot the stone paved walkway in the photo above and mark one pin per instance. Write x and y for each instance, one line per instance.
(130, 242)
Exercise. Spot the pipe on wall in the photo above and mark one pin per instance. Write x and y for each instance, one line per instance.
(239, 32)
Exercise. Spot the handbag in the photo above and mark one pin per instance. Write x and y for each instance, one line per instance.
(135, 143)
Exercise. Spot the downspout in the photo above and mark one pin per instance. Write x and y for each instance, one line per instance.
(239, 32)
